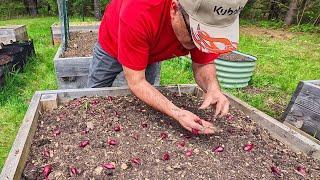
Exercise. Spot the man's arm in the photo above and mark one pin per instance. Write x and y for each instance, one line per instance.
(150, 95)
(205, 76)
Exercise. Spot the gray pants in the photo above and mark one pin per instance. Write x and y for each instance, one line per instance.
(104, 69)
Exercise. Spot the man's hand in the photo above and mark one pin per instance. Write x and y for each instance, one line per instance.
(193, 123)
(217, 99)
(150, 95)
(205, 75)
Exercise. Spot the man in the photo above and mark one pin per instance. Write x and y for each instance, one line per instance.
(135, 34)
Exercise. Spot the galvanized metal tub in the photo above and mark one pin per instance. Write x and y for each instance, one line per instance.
(235, 74)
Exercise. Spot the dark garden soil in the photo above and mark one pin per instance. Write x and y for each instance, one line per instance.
(234, 57)
(81, 44)
(122, 138)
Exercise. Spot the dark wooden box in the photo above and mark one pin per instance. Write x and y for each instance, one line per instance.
(303, 111)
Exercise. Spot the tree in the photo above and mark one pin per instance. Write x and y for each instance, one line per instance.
(97, 11)
(292, 12)
(31, 7)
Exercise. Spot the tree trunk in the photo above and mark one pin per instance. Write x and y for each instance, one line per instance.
(292, 12)
(97, 12)
(32, 7)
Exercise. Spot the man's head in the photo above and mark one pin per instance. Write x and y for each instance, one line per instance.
(180, 24)
(214, 24)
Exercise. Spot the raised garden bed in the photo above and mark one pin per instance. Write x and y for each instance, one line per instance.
(13, 33)
(303, 111)
(73, 27)
(150, 145)
(72, 66)
(14, 56)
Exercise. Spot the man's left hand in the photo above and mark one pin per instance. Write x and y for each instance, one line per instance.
(215, 97)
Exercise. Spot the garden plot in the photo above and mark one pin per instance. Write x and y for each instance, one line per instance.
(120, 137)
(73, 27)
(107, 133)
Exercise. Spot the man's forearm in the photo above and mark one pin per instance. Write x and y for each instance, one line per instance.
(205, 76)
(151, 96)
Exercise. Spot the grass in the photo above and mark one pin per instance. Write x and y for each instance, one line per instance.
(39, 74)
(281, 64)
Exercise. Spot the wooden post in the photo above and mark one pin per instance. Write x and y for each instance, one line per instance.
(49, 102)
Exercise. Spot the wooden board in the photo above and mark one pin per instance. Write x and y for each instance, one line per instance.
(19, 152)
(303, 111)
(20, 149)
(13, 33)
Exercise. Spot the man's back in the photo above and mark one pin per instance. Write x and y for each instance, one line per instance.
(139, 32)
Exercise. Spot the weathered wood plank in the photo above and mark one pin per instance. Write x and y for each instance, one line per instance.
(302, 132)
(13, 33)
(49, 102)
(309, 101)
(71, 67)
(20, 150)
(293, 99)
(305, 120)
(69, 94)
(303, 111)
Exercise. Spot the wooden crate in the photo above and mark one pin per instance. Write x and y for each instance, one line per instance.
(72, 72)
(13, 33)
(303, 111)
(45, 100)
(74, 27)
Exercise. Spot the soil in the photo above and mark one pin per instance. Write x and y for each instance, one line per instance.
(143, 135)
(234, 57)
(270, 33)
(81, 44)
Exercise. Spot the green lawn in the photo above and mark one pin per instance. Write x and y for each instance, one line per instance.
(281, 64)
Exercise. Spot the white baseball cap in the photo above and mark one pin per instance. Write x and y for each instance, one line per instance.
(214, 24)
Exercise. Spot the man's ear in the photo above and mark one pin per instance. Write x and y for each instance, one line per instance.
(174, 6)
(174, 9)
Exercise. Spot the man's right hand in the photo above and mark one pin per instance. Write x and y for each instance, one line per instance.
(192, 122)
(150, 95)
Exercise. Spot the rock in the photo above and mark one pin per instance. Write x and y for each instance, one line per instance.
(90, 125)
(196, 151)
(56, 175)
(51, 153)
(124, 166)
(98, 170)
(169, 168)
(30, 171)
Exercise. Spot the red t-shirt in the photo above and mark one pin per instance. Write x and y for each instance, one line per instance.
(139, 32)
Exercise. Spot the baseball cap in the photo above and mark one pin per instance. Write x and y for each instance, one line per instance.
(214, 24)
